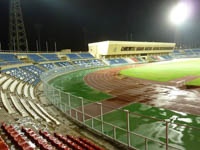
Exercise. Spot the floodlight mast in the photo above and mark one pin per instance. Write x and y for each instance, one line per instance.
(180, 13)
(17, 32)
(178, 16)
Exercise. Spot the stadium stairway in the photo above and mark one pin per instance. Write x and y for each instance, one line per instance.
(19, 97)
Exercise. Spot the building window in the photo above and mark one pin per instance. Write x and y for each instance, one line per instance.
(148, 48)
(127, 48)
(166, 48)
(140, 48)
(156, 48)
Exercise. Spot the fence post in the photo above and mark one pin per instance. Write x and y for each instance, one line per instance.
(65, 108)
(166, 135)
(60, 96)
(83, 110)
(76, 114)
(101, 114)
(146, 144)
(114, 132)
(70, 111)
(53, 96)
(128, 127)
(92, 123)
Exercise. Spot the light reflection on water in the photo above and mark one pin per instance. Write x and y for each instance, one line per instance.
(179, 136)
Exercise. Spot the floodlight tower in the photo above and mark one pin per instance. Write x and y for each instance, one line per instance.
(17, 32)
(178, 15)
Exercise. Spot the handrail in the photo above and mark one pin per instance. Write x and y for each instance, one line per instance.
(57, 96)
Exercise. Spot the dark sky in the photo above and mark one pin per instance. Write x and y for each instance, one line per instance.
(74, 23)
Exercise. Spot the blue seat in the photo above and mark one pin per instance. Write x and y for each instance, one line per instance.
(61, 64)
(35, 57)
(20, 74)
(51, 57)
(96, 62)
(3, 63)
(33, 69)
(167, 57)
(176, 51)
(73, 56)
(80, 62)
(10, 58)
(86, 55)
(48, 66)
(116, 61)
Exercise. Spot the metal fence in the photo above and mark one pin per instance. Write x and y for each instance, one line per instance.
(93, 115)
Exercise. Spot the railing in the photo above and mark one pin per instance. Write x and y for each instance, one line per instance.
(43, 52)
(93, 115)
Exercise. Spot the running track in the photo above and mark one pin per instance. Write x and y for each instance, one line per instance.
(127, 90)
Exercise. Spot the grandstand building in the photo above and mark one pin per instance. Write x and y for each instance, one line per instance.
(31, 91)
(116, 49)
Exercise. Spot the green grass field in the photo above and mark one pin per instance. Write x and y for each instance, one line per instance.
(73, 83)
(166, 72)
(179, 136)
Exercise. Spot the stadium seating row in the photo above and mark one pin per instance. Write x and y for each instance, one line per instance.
(22, 88)
(8, 58)
(187, 53)
(3, 145)
(31, 140)
(15, 136)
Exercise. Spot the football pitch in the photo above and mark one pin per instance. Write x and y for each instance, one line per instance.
(166, 71)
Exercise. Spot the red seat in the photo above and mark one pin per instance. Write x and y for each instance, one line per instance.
(91, 144)
(21, 142)
(19, 139)
(24, 145)
(3, 145)
(28, 148)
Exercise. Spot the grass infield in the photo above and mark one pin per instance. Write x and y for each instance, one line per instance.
(166, 72)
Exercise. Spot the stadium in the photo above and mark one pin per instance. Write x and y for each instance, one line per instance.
(117, 95)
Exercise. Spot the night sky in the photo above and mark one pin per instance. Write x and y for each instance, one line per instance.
(74, 23)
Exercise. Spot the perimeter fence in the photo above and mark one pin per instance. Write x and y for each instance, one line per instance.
(119, 127)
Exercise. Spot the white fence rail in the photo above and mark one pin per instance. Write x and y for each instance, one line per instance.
(75, 108)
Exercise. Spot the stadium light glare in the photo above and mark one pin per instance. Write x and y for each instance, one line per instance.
(180, 13)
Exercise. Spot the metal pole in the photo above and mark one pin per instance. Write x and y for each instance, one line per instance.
(55, 46)
(166, 135)
(92, 123)
(70, 111)
(37, 46)
(14, 44)
(146, 144)
(114, 133)
(128, 127)
(101, 114)
(83, 111)
(65, 108)
(60, 96)
(54, 97)
(27, 46)
(76, 114)
(47, 46)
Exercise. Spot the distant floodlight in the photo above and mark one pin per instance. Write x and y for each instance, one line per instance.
(179, 13)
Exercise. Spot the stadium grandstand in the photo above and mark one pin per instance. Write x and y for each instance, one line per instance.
(113, 95)
(46, 92)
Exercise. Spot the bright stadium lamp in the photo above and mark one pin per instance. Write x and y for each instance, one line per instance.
(179, 13)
